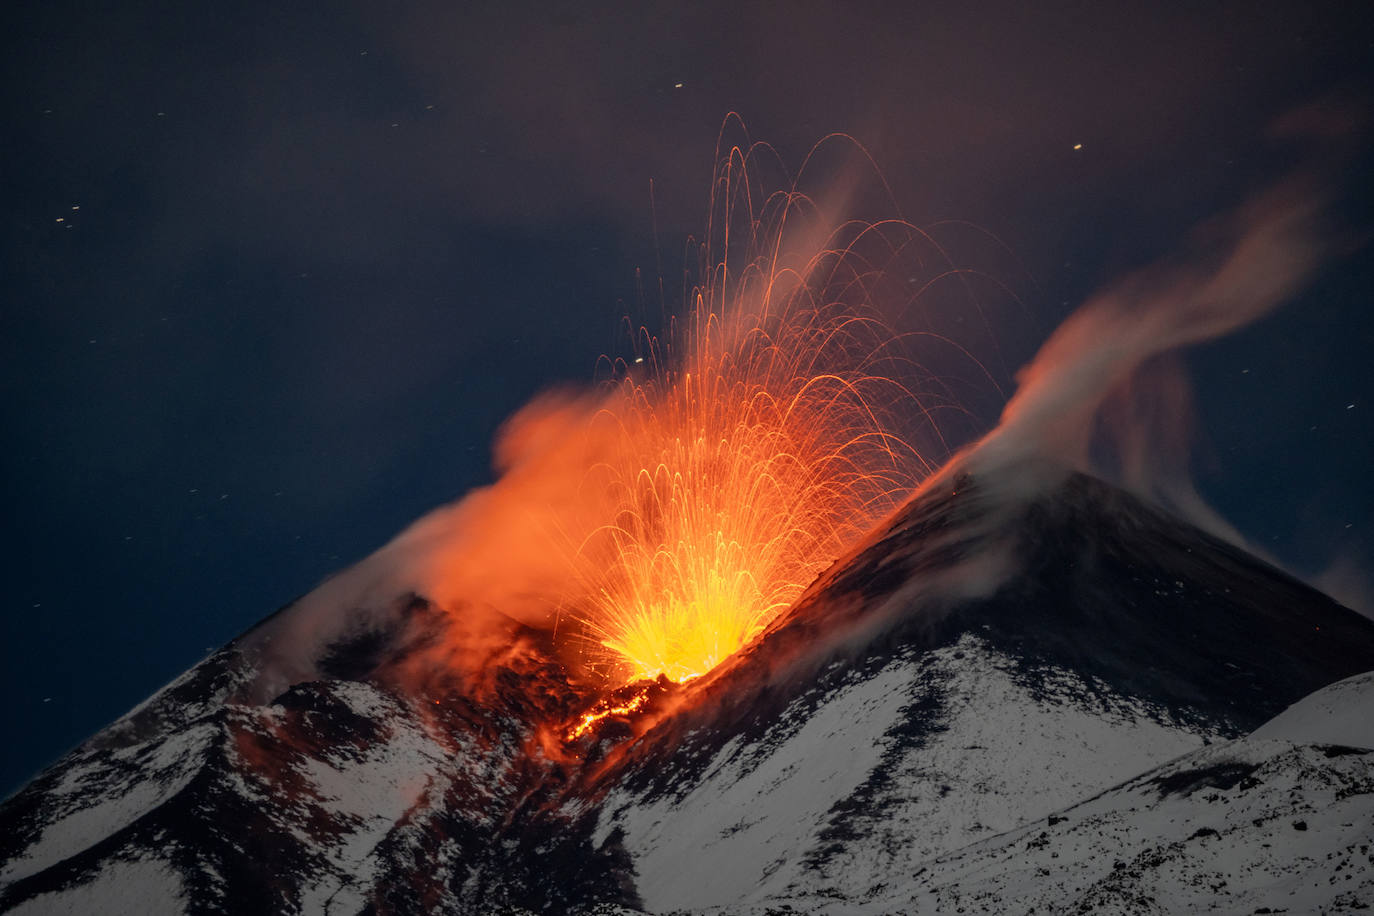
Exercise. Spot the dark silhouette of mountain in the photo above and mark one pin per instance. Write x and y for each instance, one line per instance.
(997, 701)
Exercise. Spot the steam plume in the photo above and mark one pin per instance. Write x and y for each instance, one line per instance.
(1111, 368)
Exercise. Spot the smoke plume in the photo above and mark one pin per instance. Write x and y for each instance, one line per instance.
(1107, 392)
(503, 555)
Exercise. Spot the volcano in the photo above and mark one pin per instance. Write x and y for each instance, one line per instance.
(1041, 699)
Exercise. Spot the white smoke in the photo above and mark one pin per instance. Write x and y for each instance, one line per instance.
(1111, 370)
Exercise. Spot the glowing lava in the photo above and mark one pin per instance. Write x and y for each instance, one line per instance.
(747, 451)
(733, 485)
(599, 712)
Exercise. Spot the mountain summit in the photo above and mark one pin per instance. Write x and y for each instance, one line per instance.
(998, 701)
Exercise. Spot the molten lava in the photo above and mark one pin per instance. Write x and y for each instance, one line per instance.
(733, 484)
(744, 451)
(602, 711)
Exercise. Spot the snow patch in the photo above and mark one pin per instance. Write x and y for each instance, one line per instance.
(1342, 714)
(1250, 824)
(102, 798)
(367, 794)
(740, 832)
(141, 887)
(1009, 754)
(835, 802)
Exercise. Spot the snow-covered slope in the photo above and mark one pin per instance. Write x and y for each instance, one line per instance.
(1122, 640)
(326, 797)
(958, 714)
(1342, 714)
(1260, 824)
(237, 793)
(933, 751)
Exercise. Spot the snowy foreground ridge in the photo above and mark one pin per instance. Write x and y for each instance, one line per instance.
(1072, 703)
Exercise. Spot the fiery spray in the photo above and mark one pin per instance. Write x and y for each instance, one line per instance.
(660, 523)
(734, 480)
(745, 450)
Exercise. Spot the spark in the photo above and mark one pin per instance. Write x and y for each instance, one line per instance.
(750, 458)
(733, 481)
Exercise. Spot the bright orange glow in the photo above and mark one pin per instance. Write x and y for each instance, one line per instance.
(745, 450)
(733, 486)
(595, 715)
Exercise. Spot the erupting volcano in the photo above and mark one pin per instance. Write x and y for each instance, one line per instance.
(723, 639)
(747, 446)
(731, 481)
(732, 478)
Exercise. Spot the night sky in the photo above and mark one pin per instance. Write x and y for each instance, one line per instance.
(273, 274)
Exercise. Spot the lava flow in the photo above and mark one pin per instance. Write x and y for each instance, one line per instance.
(591, 718)
(747, 448)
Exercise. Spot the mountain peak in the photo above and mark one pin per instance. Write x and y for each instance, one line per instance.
(982, 663)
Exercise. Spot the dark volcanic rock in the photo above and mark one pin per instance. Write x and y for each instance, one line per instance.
(979, 665)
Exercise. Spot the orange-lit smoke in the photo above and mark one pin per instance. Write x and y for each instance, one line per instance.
(660, 522)
(748, 447)
(668, 517)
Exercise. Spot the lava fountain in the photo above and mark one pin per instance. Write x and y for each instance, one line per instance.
(733, 479)
(744, 449)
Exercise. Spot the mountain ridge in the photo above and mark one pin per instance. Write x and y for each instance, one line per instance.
(983, 660)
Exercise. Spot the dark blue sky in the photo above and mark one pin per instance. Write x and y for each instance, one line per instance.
(274, 273)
